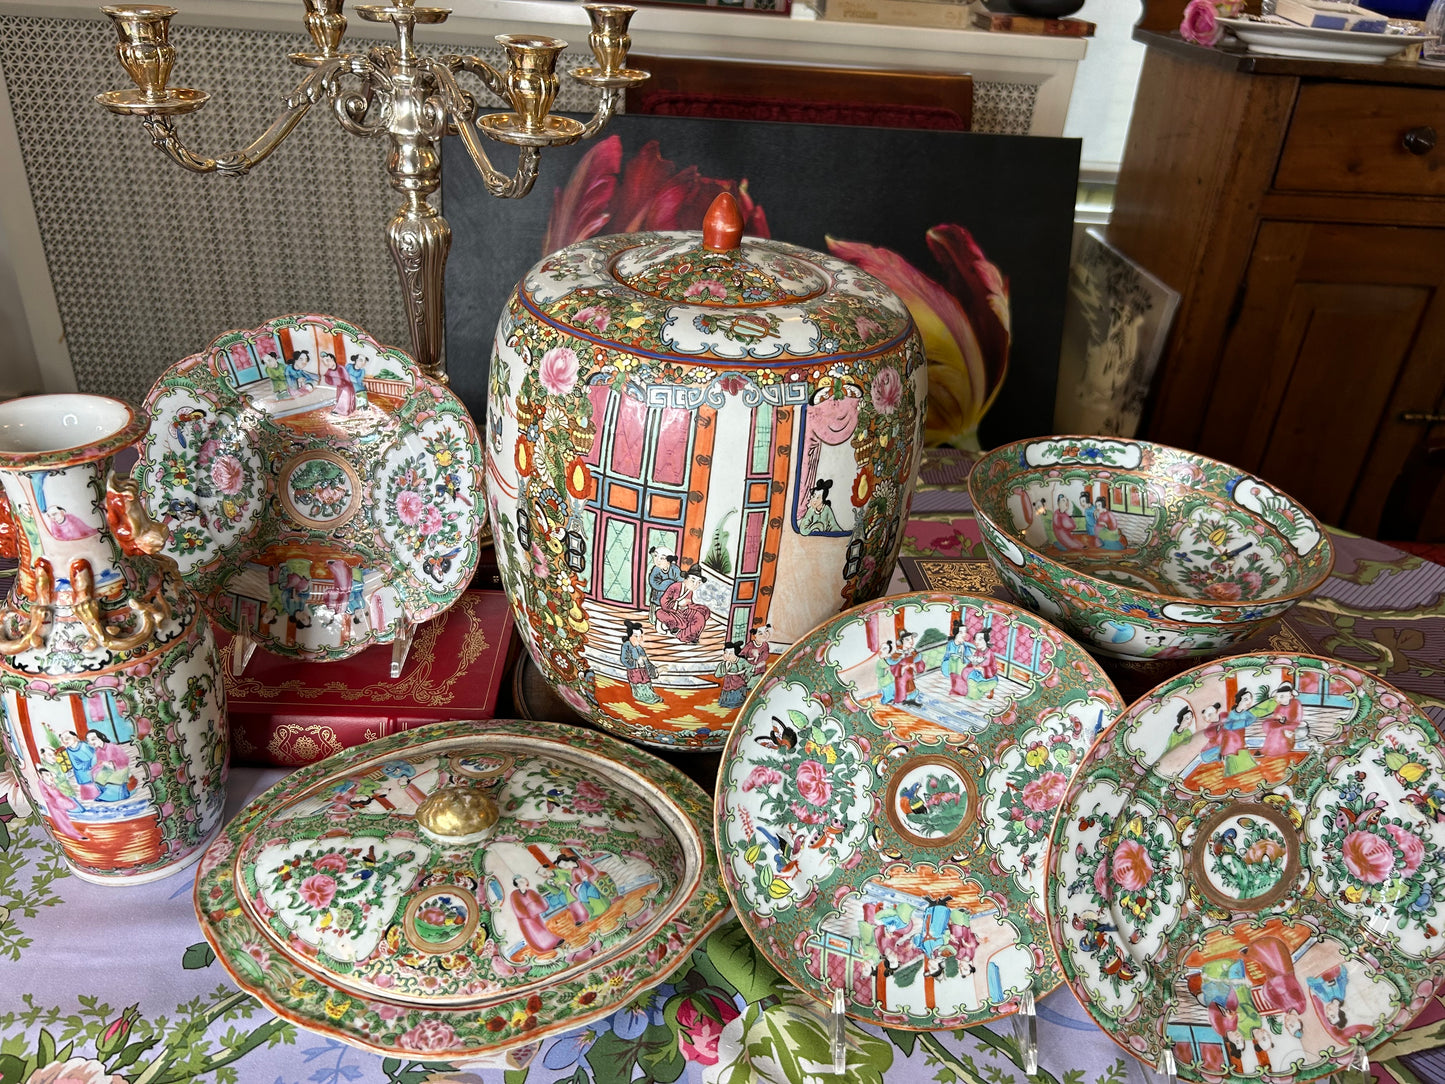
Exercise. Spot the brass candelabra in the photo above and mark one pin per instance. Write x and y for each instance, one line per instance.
(412, 100)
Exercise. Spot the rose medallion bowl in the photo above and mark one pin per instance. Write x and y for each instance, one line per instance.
(320, 489)
(1141, 550)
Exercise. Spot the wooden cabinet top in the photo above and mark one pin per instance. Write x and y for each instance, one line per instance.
(1233, 57)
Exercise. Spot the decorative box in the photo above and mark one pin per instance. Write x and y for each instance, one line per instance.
(291, 712)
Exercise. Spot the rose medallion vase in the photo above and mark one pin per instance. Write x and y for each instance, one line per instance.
(699, 447)
(111, 704)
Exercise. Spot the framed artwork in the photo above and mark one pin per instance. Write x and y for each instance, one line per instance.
(1116, 322)
(804, 183)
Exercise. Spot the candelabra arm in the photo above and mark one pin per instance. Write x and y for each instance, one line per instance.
(606, 107)
(351, 108)
(483, 71)
(498, 183)
(309, 91)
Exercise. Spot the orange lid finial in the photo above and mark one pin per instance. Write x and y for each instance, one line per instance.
(722, 226)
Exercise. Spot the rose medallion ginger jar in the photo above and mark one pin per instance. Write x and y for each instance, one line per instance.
(112, 710)
(699, 447)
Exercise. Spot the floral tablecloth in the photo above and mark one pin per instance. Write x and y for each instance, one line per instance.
(116, 985)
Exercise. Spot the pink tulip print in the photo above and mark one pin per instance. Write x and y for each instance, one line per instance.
(964, 321)
(646, 192)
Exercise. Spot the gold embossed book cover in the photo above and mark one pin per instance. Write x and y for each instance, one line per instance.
(291, 712)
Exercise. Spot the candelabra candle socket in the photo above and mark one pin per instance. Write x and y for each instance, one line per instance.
(146, 53)
(532, 78)
(610, 43)
(326, 25)
(609, 38)
(145, 49)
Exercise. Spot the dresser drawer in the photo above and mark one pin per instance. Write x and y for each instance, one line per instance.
(1383, 140)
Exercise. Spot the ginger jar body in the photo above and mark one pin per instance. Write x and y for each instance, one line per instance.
(698, 449)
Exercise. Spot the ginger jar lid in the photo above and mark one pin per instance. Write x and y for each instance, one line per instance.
(463, 887)
(713, 294)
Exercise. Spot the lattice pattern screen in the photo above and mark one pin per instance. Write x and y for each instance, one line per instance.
(1003, 108)
(150, 262)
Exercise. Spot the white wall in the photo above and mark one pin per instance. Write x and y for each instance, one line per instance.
(1104, 86)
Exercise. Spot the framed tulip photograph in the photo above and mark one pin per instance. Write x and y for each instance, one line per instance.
(972, 231)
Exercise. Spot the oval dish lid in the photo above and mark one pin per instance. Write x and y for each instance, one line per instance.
(488, 886)
(715, 293)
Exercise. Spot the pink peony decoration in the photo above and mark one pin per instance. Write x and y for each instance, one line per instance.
(1410, 846)
(227, 474)
(431, 521)
(1131, 865)
(593, 316)
(1368, 857)
(409, 506)
(429, 1037)
(866, 326)
(558, 370)
(761, 777)
(813, 782)
(707, 290)
(887, 390)
(1224, 591)
(1045, 792)
(318, 890)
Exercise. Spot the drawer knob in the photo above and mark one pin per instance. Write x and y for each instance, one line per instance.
(1419, 140)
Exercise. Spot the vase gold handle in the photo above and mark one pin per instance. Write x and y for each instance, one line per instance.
(87, 608)
(30, 639)
(129, 521)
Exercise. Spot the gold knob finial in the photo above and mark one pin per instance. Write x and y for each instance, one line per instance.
(458, 814)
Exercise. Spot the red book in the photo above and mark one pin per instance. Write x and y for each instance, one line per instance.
(291, 712)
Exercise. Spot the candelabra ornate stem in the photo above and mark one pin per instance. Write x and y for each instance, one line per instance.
(412, 100)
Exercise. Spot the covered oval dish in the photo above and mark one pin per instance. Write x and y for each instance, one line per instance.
(699, 446)
(454, 891)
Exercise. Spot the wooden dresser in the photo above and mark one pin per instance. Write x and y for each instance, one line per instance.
(1299, 208)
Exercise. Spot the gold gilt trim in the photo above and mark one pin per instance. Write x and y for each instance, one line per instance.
(1287, 639)
(952, 574)
(420, 685)
(282, 747)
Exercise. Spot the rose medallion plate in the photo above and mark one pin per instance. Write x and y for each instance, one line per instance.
(462, 888)
(321, 491)
(1246, 871)
(885, 797)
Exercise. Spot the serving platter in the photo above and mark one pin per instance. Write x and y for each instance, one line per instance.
(884, 798)
(1278, 37)
(463, 888)
(1246, 870)
(320, 489)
